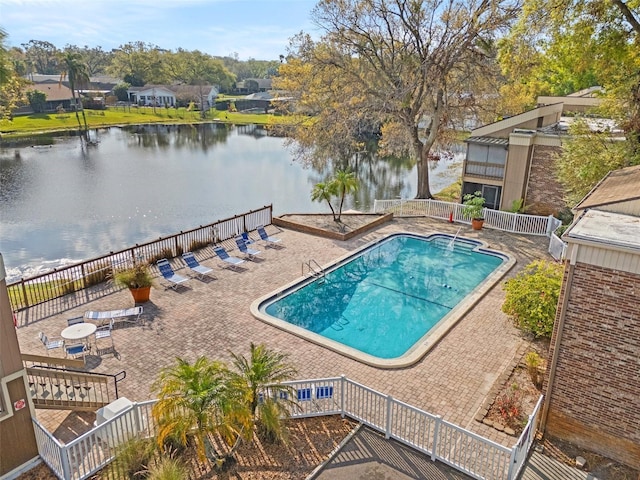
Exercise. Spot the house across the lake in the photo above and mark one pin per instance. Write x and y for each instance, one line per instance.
(152, 96)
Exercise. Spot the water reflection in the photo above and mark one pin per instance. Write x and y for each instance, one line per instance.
(71, 201)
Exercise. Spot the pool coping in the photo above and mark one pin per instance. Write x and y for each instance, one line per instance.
(422, 346)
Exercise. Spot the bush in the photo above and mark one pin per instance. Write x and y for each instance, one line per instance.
(510, 406)
(534, 364)
(532, 297)
(132, 458)
(167, 468)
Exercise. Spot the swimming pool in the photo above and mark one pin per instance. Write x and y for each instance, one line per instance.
(389, 302)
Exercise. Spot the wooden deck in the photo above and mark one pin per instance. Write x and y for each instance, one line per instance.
(541, 467)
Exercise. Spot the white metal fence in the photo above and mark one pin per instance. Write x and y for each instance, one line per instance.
(466, 451)
(557, 247)
(506, 221)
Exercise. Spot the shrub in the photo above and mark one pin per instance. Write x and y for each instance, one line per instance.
(167, 468)
(534, 362)
(532, 297)
(510, 406)
(132, 458)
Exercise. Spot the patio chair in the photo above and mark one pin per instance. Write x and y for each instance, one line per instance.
(231, 262)
(76, 350)
(50, 343)
(249, 253)
(74, 321)
(105, 332)
(200, 270)
(264, 236)
(169, 275)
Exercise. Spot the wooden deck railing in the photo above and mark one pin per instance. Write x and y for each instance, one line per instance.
(66, 280)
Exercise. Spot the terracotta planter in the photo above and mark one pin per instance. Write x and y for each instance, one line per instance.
(476, 223)
(140, 295)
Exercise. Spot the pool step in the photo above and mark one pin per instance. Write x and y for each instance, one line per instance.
(340, 323)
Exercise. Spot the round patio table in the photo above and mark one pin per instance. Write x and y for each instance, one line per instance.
(78, 331)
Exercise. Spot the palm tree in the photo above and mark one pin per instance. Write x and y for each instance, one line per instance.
(196, 400)
(344, 182)
(324, 192)
(264, 371)
(76, 71)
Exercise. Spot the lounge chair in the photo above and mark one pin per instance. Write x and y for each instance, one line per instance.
(249, 253)
(247, 239)
(191, 262)
(232, 262)
(169, 275)
(264, 236)
(116, 315)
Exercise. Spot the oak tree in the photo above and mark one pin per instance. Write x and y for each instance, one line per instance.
(399, 68)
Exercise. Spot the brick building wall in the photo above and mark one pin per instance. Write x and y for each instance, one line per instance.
(544, 192)
(595, 400)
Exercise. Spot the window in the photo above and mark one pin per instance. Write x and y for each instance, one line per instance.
(491, 193)
(486, 160)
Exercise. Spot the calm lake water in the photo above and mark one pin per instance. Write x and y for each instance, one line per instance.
(67, 202)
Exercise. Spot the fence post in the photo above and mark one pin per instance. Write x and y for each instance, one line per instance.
(436, 432)
(24, 293)
(549, 224)
(136, 416)
(512, 462)
(515, 220)
(342, 388)
(64, 459)
(387, 428)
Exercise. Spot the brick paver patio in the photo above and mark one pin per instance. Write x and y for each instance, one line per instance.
(213, 318)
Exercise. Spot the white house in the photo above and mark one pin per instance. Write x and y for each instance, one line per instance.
(152, 95)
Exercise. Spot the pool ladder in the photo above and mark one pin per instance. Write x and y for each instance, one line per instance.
(313, 269)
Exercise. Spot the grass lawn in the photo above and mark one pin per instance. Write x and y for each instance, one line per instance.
(42, 123)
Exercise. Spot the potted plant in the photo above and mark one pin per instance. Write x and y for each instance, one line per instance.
(474, 209)
(138, 279)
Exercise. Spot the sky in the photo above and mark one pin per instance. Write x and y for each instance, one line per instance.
(257, 29)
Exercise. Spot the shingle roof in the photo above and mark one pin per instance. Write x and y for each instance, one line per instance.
(617, 186)
(53, 91)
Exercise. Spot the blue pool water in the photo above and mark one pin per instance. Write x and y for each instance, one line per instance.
(388, 296)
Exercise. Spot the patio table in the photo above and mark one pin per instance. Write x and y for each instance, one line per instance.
(79, 331)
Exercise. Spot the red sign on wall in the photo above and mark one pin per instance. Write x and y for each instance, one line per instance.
(19, 404)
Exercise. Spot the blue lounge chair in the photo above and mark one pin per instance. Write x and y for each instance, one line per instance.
(191, 261)
(232, 262)
(249, 253)
(247, 239)
(169, 275)
(264, 236)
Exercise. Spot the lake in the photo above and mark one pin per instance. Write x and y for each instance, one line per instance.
(67, 202)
